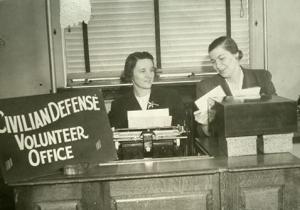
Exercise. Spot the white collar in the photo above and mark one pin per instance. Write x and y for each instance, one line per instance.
(143, 101)
(236, 87)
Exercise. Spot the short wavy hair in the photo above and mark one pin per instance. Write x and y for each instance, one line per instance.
(228, 44)
(130, 63)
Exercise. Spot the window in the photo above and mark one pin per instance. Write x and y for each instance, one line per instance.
(187, 27)
(116, 29)
(180, 29)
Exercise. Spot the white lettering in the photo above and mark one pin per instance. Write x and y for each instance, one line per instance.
(34, 158)
(13, 123)
(48, 156)
(3, 130)
(20, 123)
(96, 102)
(45, 116)
(68, 105)
(38, 122)
(26, 128)
(69, 152)
(31, 121)
(80, 132)
(29, 143)
(54, 111)
(74, 104)
(61, 109)
(48, 138)
(20, 141)
(49, 114)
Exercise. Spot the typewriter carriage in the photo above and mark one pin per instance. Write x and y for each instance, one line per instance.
(151, 142)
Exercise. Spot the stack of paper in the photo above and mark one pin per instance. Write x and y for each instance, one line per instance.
(149, 118)
(202, 103)
(248, 93)
(217, 94)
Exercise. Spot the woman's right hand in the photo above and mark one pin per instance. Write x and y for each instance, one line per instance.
(201, 117)
(204, 118)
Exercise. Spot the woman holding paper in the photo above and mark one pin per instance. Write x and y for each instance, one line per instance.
(225, 57)
(139, 69)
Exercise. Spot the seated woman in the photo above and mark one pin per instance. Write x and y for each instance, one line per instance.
(139, 69)
(225, 57)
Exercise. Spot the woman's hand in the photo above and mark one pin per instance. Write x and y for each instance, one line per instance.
(201, 117)
(204, 118)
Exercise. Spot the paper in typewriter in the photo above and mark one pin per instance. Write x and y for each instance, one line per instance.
(149, 118)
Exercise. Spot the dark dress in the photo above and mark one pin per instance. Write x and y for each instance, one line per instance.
(161, 98)
(252, 78)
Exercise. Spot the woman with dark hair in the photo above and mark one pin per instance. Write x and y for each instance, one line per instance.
(130, 63)
(139, 69)
(225, 57)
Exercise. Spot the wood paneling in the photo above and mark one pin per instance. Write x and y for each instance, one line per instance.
(63, 196)
(263, 182)
(61, 205)
(186, 201)
(261, 190)
(190, 192)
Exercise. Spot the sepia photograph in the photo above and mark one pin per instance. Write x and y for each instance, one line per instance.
(149, 105)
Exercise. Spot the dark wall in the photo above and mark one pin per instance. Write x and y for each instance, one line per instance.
(24, 60)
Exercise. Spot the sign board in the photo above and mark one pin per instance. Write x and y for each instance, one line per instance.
(41, 134)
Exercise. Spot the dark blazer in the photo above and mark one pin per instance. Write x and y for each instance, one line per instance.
(252, 78)
(161, 98)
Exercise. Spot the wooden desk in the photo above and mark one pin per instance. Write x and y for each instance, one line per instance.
(248, 182)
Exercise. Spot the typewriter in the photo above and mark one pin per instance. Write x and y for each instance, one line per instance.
(158, 142)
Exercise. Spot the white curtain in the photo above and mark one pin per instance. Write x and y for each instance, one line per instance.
(73, 12)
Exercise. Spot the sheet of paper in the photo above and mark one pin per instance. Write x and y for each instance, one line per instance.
(148, 113)
(149, 118)
(201, 115)
(248, 93)
(217, 92)
(149, 122)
